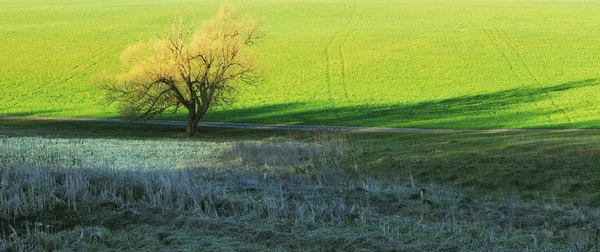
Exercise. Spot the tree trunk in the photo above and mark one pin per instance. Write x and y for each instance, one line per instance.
(194, 118)
(192, 124)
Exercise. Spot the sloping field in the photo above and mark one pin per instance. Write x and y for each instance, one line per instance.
(428, 64)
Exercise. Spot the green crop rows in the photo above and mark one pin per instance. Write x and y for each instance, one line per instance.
(429, 64)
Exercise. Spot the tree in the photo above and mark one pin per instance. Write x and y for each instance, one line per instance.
(174, 70)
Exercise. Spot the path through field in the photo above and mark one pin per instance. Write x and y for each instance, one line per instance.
(258, 126)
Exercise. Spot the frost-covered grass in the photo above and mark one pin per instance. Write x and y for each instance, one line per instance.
(74, 153)
(294, 192)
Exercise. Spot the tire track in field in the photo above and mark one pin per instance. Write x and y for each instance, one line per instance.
(502, 35)
(508, 52)
(495, 41)
(500, 38)
(511, 45)
(341, 55)
(513, 59)
(343, 65)
(91, 62)
(328, 68)
(75, 71)
(334, 48)
(497, 45)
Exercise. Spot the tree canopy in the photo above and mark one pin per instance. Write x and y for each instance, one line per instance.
(186, 68)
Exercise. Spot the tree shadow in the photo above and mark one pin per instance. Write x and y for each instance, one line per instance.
(502, 109)
(491, 110)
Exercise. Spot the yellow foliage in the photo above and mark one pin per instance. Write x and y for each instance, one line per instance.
(170, 72)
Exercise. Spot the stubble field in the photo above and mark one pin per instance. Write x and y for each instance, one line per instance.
(103, 186)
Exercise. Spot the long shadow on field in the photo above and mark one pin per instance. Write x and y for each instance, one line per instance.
(476, 111)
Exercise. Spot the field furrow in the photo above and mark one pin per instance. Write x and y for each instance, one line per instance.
(328, 67)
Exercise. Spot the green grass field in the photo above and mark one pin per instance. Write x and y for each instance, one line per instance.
(428, 64)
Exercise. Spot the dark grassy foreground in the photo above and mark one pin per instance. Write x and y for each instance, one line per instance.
(305, 191)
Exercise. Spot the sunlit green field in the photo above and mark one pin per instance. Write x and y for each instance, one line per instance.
(429, 64)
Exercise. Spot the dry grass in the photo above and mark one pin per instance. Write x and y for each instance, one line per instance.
(292, 156)
(277, 194)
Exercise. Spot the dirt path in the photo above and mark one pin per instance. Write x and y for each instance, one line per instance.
(257, 126)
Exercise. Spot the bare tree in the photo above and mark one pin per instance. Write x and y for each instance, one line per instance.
(194, 72)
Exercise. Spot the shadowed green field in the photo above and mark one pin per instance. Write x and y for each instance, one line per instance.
(428, 64)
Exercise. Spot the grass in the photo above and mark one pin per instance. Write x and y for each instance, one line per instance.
(429, 64)
(246, 190)
(559, 166)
